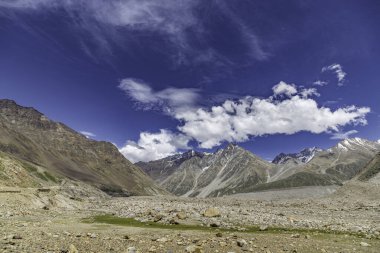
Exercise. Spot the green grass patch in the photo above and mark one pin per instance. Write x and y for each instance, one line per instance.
(50, 177)
(40, 176)
(131, 222)
(30, 168)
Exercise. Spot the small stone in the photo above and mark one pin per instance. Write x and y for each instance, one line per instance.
(194, 249)
(214, 224)
(73, 249)
(219, 234)
(131, 250)
(364, 244)
(263, 228)
(223, 244)
(158, 217)
(173, 222)
(152, 249)
(17, 237)
(241, 243)
(211, 212)
(181, 215)
(295, 236)
(163, 239)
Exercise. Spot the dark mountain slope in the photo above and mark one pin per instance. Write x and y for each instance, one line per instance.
(29, 136)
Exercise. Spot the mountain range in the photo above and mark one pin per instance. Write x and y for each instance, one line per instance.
(38, 152)
(235, 170)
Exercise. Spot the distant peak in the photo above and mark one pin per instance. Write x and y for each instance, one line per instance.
(354, 143)
(5, 102)
(303, 156)
(12, 105)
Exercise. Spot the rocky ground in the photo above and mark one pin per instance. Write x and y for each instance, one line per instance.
(56, 220)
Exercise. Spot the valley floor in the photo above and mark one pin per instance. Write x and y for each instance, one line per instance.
(33, 220)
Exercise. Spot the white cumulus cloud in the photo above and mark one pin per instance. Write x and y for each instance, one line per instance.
(238, 120)
(284, 88)
(154, 146)
(288, 111)
(343, 135)
(338, 70)
(309, 92)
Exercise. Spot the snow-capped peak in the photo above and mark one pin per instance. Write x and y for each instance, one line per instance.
(356, 144)
(304, 156)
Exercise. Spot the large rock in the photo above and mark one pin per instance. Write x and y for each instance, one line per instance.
(212, 212)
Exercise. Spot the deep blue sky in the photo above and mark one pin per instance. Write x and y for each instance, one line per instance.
(67, 60)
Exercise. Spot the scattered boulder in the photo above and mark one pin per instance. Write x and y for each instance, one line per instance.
(215, 224)
(364, 244)
(173, 222)
(241, 242)
(158, 217)
(163, 239)
(73, 249)
(152, 249)
(131, 250)
(181, 215)
(194, 249)
(211, 212)
(17, 237)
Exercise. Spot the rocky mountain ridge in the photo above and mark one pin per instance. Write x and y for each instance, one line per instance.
(303, 156)
(226, 171)
(246, 172)
(51, 152)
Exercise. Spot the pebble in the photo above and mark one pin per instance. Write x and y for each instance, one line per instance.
(241, 242)
(364, 244)
(131, 250)
(73, 249)
(194, 249)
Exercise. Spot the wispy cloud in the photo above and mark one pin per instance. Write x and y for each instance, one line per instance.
(169, 99)
(320, 83)
(250, 39)
(88, 134)
(111, 22)
(338, 70)
(288, 111)
(343, 135)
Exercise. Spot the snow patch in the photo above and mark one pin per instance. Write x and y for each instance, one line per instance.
(340, 146)
(205, 168)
